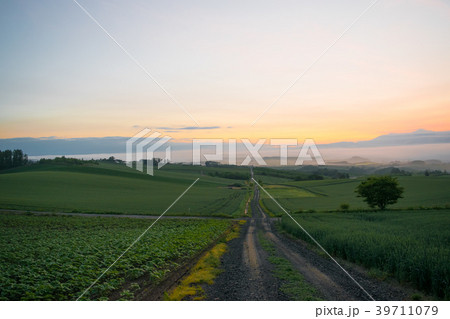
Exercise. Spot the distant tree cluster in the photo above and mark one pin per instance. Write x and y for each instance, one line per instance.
(311, 172)
(393, 171)
(212, 164)
(10, 159)
(306, 173)
(155, 161)
(332, 173)
(435, 173)
(111, 159)
(290, 174)
(66, 160)
(308, 177)
(230, 175)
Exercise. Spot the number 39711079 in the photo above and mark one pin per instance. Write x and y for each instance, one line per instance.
(407, 311)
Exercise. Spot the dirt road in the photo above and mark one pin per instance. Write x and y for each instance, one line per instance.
(248, 275)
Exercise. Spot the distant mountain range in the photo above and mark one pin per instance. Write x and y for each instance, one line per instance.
(396, 139)
(116, 144)
(65, 146)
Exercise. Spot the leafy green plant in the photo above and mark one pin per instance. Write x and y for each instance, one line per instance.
(58, 257)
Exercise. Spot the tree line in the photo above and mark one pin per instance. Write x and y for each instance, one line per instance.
(10, 159)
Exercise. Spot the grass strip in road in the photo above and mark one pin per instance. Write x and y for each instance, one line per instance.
(293, 283)
(205, 271)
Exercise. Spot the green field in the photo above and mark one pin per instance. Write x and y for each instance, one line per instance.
(412, 246)
(271, 179)
(58, 257)
(114, 188)
(282, 191)
(329, 194)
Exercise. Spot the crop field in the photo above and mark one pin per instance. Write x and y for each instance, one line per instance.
(113, 188)
(271, 179)
(412, 246)
(54, 257)
(329, 194)
(58, 257)
(282, 191)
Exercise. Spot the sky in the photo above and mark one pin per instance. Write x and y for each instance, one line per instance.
(224, 62)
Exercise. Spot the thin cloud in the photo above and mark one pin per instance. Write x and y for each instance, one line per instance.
(188, 128)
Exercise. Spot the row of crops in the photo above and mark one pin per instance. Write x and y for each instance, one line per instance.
(58, 257)
(412, 246)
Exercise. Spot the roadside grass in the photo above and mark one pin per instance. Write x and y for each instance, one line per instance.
(378, 274)
(293, 283)
(271, 213)
(411, 246)
(248, 211)
(205, 271)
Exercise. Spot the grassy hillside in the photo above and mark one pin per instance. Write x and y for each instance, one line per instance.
(321, 195)
(114, 188)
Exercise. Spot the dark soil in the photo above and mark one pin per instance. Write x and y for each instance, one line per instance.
(242, 280)
(247, 274)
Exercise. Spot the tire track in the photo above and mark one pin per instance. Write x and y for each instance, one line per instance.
(247, 274)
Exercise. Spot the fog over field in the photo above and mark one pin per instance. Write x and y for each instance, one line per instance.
(418, 145)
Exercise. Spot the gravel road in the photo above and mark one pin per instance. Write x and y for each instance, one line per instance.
(247, 274)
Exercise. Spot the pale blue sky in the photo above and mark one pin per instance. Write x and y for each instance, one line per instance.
(225, 61)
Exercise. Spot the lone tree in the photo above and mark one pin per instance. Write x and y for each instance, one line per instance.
(380, 191)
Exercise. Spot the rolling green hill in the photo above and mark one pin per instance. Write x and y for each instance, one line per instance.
(114, 188)
(323, 195)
